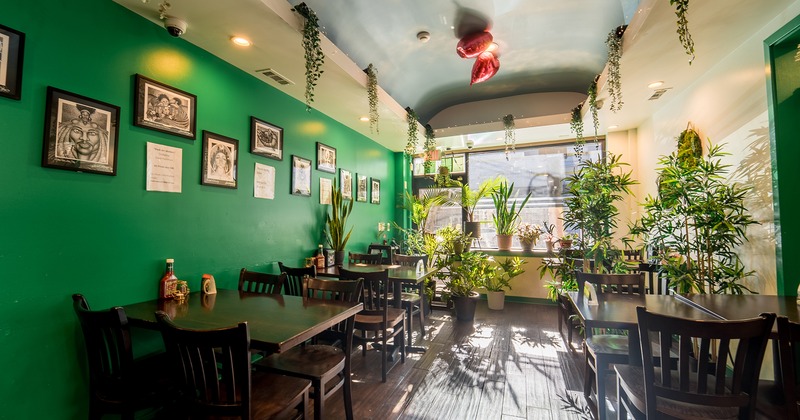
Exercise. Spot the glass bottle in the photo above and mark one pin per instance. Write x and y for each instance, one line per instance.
(169, 282)
(320, 258)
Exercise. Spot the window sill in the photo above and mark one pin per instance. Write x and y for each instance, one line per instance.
(536, 253)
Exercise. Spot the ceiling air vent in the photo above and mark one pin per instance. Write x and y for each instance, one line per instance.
(274, 75)
(657, 94)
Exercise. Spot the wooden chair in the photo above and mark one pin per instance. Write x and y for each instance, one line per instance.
(215, 375)
(603, 350)
(378, 322)
(254, 282)
(386, 251)
(414, 297)
(700, 387)
(372, 259)
(779, 399)
(319, 363)
(294, 278)
(118, 383)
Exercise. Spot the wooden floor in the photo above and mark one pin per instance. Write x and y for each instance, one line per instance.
(509, 364)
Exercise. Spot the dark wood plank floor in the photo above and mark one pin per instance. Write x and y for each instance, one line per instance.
(509, 364)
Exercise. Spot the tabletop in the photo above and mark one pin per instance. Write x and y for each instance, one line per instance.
(276, 322)
(396, 272)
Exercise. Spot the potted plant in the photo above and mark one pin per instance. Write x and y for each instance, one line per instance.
(566, 241)
(506, 216)
(336, 221)
(499, 280)
(528, 234)
(470, 199)
(462, 275)
(549, 235)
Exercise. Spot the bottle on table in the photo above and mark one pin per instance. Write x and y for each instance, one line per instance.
(320, 258)
(169, 282)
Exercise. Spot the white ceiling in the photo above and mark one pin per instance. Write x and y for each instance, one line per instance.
(549, 53)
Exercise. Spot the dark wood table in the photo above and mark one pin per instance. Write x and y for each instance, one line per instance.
(276, 322)
(745, 306)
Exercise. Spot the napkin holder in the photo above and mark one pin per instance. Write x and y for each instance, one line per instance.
(208, 286)
(420, 268)
(590, 294)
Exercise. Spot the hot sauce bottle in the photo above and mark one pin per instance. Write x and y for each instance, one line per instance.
(168, 285)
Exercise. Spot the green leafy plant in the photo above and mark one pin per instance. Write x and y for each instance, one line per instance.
(499, 279)
(506, 216)
(337, 220)
(470, 197)
(690, 147)
(562, 272)
(430, 147)
(614, 77)
(529, 233)
(681, 11)
(463, 274)
(576, 125)
(413, 121)
(592, 98)
(312, 46)
(419, 207)
(509, 138)
(372, 97)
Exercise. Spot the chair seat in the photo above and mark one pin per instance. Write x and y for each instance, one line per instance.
(631, 379)
(274, 393)
(608, 344)
(309, 361)
(369, 321)
(771, 401)
(150, 382)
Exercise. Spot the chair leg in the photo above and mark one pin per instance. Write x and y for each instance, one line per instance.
(402, 345)
(622, 407)
(384, 356)
(588, 374)
(421, 321)
(319, 399)
(600, 383)
(348, 397)
(410, 316)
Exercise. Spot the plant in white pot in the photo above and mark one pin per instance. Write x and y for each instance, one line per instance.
(499, 279)
(506, 217)
(528, 234)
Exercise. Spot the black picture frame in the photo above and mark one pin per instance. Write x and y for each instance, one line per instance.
(346, 184)
(163, 108)
(12, 52)
(301, 176)
(375, 191)
(361, 188)
(266, 139)
(80, 134)
(220, 166)
(326, 158)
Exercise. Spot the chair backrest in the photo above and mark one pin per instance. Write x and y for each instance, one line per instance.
(611, 283)
(376, 289)
(410, 260)
(294, 278)
(211, 366)
(374, 259)
(632, 255)
(254, 282)
(702, 377)
(108, 348)
(386, 251)
(341, 291)
(788, 349)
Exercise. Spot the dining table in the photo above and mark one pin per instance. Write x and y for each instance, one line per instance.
(276, 322)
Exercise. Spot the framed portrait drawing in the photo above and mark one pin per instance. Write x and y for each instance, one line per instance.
(80, 134)
(301, 176)
(266, 139)
(375, 193)
(325, 190)
(220, 160)
(346, 184)
(326, 158)
(164, 108)
(12, 46)
(361, 188)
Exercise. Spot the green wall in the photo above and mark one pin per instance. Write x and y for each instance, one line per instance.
(64, 232)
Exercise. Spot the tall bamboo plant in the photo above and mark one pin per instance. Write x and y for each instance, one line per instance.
(506, 217)
(337, 220)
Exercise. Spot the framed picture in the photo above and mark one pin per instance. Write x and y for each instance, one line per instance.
(266, 139)
(163, 108)
(361, 188)
(301, 176)
(326, 158)
(12, 48)
(325, 190)
(80, 134)
(346, 184)
(376, 191)
(220, 160)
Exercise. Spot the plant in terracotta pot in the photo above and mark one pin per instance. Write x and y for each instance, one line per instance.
(500, 279)
(336, 221)
(549, 235)
(470, 199)
(506, 217)
(528, 234)
(462, 275)
(566, 241)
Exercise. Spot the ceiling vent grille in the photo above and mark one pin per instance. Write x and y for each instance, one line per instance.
(657, 94)
(274, 75)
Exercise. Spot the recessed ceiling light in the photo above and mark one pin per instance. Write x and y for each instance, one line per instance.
(240, 41)
(364, 119)
(655, 84)
(613, 127)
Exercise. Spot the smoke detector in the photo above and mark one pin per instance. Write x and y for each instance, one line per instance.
(423, 36)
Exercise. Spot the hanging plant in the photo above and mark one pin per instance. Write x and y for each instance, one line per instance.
(510, 137)
(690, 148)
(614, 43)
(372, 96)
(413, 121)
(576, 125)
(313, 50)
(681, 9)
(592, 98)
(430, 147)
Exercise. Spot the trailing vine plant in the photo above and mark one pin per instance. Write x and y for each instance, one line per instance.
(681, 9)
(614, 43)
(510, 137)
(413, 120)
(430, 147)
(592, 98)
(372, 96)
(576, 125)
(313, 50)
